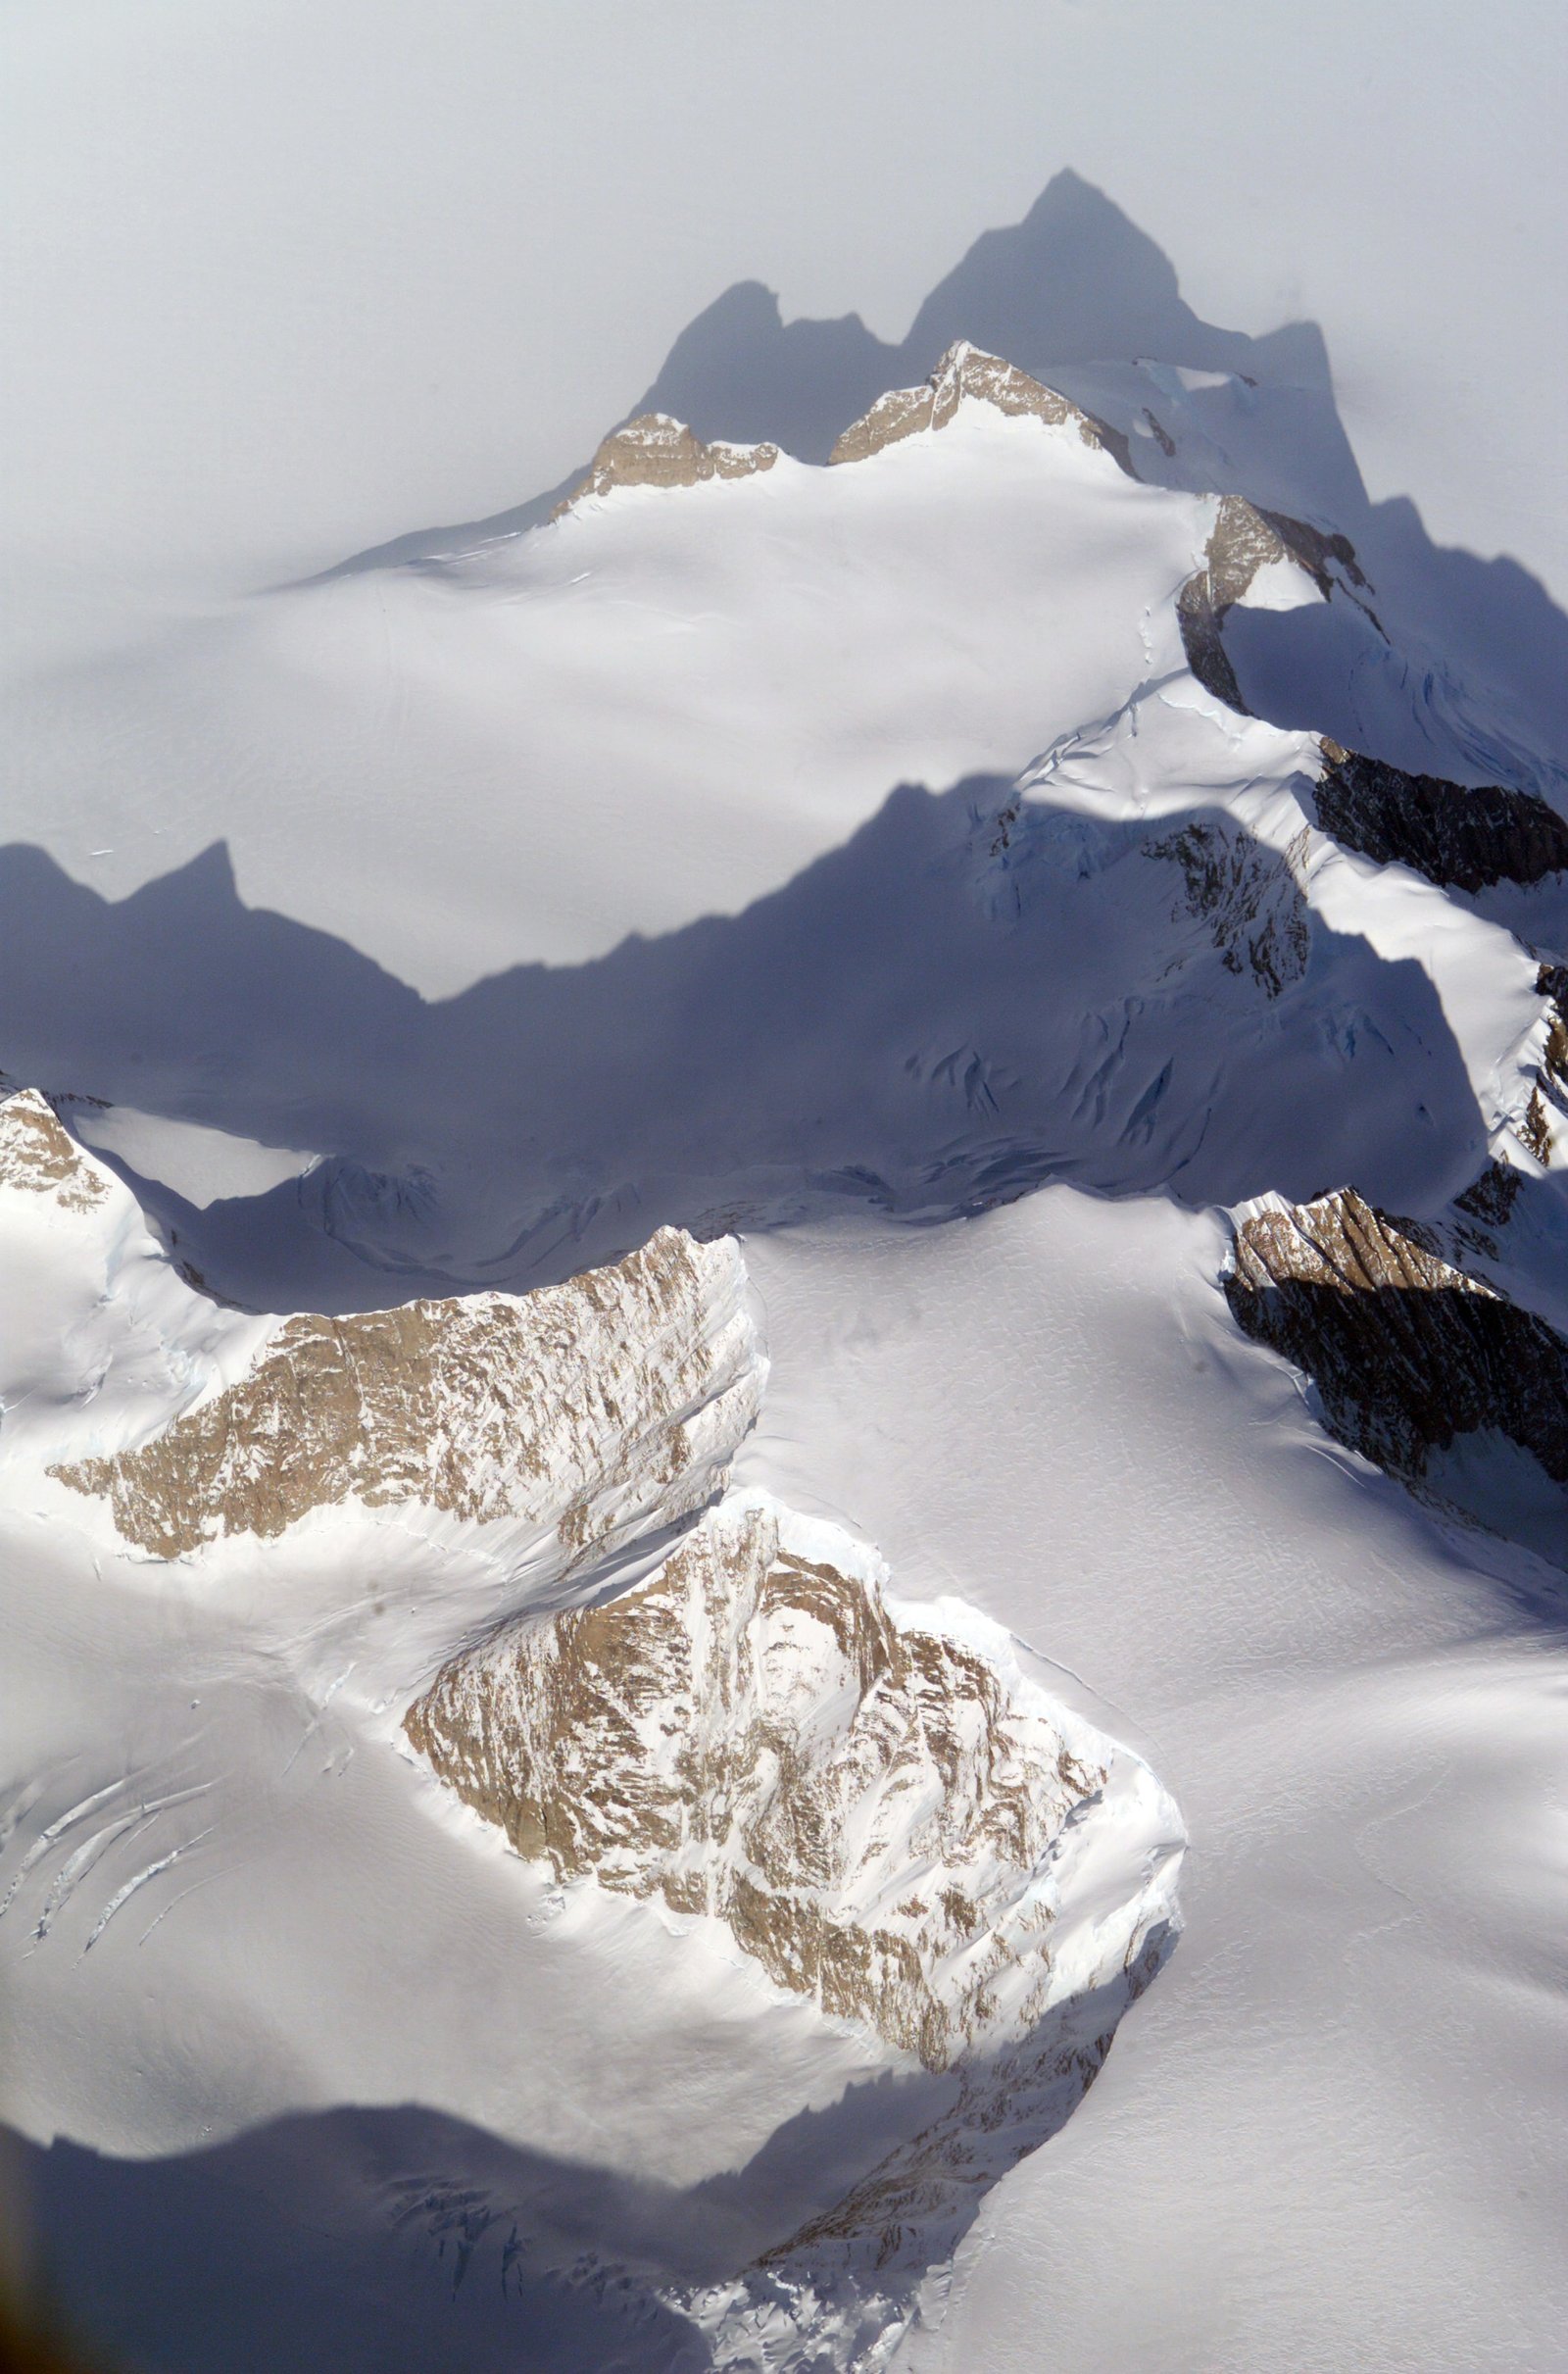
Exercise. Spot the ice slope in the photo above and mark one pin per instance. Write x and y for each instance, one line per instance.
(235, 1552)
(1330, 2138)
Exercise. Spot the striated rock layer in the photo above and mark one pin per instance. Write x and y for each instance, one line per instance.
(756, 1734)
(1407, 1353)
(964, 371)
(615, 1396)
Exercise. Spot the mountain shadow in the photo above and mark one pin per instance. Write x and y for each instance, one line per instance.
(406, 2241)
(1076, 294)
(972, 997)
(1075, 282)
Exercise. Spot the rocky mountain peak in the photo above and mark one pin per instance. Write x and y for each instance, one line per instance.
(654, 450)
(582, 1407)
(1244, 541)
(40, 1157)
(758, 1733)
(964, 371)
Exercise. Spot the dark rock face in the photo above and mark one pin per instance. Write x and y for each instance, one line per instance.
(1244, 540)
(1406, 1352)
(1461, 839)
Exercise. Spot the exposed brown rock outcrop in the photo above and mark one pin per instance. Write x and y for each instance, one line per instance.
(964, 371)
(42, 1158)
(751, 1734)
(1407, 1353)
(655, 451)
(1458, 837)
(561, 1406)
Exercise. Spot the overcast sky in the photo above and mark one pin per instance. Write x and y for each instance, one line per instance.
(283, 277)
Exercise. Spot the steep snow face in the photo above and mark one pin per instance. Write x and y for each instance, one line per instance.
(758, 1734)
(103, 1335)
(589, 1405)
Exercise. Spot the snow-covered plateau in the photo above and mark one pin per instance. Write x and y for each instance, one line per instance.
(784, 1432)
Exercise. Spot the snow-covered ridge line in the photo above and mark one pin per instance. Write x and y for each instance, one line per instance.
(583, 1410)
(656, 450)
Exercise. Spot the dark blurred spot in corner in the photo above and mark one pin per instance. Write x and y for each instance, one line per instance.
(30, 2338)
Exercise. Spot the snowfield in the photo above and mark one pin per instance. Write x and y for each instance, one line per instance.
(782, 987)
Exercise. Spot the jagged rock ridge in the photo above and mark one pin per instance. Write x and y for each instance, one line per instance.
(1545, 1117)
(581, 1405)
(655, 451)
(965, 371)
(753, 1732)
(1407, 1351)
(1459, 838)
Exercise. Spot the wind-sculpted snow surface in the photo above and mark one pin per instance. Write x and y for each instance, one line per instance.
(955, 1887)
(757, 1734)
(587, 1405)
(787, 847)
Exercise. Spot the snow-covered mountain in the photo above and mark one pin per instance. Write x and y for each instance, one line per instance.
(458, 1689)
